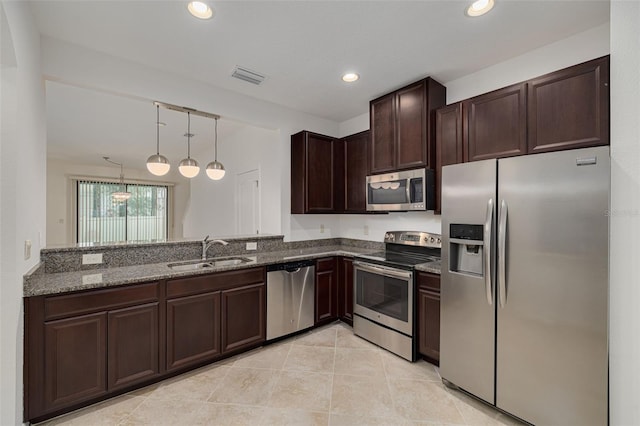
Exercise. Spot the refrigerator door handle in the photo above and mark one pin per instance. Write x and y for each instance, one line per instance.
(502, 251)
(487, 251)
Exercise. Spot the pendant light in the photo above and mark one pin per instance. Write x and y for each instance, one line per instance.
(215, 169)
(189, 167)
(158, 164)
(122, 195)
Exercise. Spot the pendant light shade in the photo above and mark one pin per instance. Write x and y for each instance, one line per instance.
(189, 167)
(158, 164)
(122, 195)
(215, 169)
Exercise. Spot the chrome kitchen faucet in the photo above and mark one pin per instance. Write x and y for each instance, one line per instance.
(206, 244)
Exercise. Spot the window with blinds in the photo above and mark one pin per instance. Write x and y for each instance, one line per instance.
(100, 219)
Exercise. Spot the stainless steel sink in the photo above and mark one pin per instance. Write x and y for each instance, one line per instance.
(231, 261)
(209, 263)
(189, 266)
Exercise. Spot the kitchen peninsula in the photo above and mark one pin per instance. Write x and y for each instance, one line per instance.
(98, 330)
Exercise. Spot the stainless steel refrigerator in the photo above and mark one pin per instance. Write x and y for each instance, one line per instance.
(524, 302)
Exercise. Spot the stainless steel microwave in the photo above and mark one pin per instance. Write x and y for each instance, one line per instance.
(401, 191)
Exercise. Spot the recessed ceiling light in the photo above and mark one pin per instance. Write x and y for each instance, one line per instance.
(350, 77)
(200, 10)
(480, 7)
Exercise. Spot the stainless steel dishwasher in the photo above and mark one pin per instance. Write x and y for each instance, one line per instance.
(290, 297)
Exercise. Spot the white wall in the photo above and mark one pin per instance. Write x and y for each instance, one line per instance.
(624, 296)
(578, 48)
(22, 189)
(357, 124)
(87, 68)
(59, 191)
(213, 209)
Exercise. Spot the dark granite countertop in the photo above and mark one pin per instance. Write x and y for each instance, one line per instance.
(40, 284)
(432, 267)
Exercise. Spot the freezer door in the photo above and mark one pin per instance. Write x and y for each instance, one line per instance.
(467, 305)
(553, 287)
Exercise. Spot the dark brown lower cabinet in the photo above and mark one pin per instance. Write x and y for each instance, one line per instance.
(132, 345)
(243, 317)
(193, 329)
(83, 347)
(429, 316)
(326, 290)
(74, 360)
(345, 290)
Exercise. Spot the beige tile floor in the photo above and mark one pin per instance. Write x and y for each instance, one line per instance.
(324, 377)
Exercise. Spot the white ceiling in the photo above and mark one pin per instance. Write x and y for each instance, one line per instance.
(303, 47)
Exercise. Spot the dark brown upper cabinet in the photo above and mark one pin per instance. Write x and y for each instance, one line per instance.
(402, 126)
(570, 108)
(314, 181)
(496, 123)
(449, 142)
(356, 169)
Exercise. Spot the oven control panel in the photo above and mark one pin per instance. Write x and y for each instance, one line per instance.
(413, 238)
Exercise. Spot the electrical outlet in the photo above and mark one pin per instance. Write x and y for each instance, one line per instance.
(252, 246)
(322, 228)
(91, 259)
(92, 279)
(366, 230)
(27, 249)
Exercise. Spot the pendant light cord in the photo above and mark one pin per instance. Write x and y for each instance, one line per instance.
(158, 129)
(188, 135)
(215, 155)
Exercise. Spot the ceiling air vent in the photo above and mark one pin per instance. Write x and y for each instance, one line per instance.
(247, 75)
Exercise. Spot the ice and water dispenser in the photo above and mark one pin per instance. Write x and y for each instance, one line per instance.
(466, 249)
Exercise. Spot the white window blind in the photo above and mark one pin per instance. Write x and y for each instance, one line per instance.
(100, 219)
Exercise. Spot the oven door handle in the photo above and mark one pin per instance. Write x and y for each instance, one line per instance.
(387, 272)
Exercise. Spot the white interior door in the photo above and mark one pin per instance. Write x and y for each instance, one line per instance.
(248, 196)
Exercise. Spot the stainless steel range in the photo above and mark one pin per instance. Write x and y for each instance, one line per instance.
(384, 290)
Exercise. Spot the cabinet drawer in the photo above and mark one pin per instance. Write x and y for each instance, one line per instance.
(429, 281)
(214, 282)
(99, 300)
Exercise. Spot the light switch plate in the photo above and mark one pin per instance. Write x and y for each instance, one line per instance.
(322, 228)
(252, 246)
(91, 259)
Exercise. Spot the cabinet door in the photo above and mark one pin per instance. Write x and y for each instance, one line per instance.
(75, 360)
(411, 121)
(345, 290)
(133, 345)
(326, 290)
(570, 108)
(356, 161)
(193, 329)
(383, 133)
(496, 123)
(243, 317)
(429, 323)
(320, 178)
(449, 142)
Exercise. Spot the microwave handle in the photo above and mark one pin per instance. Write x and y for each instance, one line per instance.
(408, 189)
